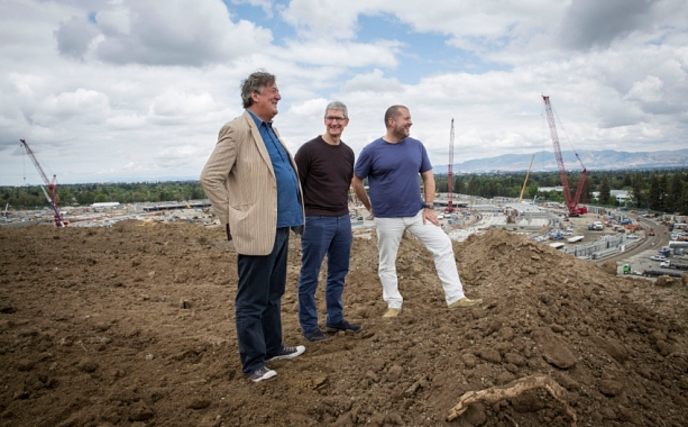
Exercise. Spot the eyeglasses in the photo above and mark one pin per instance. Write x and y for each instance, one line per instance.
(335, 119)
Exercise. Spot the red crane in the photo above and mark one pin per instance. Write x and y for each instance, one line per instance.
(571, 203)
(450, 174)
(52, 186)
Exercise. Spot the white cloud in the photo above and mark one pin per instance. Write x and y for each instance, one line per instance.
(126, 121)
(318, 18)
(74, 37)
(310, 109)
(178, 33)
(115, 22)
(648, 90)
(332, 52)
(372, 82)
(591, 23)
(140, 89)
(180, 105)
(87, 106)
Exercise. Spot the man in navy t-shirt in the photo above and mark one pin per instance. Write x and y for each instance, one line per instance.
(392, 164)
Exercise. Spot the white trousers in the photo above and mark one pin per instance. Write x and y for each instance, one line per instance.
(389, 234)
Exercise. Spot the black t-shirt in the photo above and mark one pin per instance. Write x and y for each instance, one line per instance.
(325, 172)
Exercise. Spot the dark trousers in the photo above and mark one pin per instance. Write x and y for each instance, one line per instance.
(329, 236)
(258, 303)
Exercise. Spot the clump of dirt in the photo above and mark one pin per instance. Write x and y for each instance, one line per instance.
(134, 326)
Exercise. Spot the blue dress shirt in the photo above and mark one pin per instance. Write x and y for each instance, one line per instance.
(289, 212)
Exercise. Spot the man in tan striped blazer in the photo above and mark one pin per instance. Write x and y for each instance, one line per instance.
(252, 183)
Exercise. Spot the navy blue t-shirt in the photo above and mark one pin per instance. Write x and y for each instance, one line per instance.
(392, 171)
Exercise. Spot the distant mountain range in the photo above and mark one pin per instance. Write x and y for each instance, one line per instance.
(545, 161)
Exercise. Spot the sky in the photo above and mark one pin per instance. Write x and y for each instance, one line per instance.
(137, 90)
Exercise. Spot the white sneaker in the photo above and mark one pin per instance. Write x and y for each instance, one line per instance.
(262, 374)
(289, 353)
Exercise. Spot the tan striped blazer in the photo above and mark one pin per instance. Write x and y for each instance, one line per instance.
(240, 182)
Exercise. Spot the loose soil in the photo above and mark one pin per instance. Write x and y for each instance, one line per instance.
(134, 326)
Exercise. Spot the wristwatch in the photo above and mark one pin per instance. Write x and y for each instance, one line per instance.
(427, 206)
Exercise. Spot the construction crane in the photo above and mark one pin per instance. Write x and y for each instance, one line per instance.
(50, 194)
(571, 202)
(450, 174)
(526, 180)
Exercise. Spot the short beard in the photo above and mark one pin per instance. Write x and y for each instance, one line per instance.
(400, 133)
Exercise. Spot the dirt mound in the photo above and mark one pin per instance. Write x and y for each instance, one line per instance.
(134, 326)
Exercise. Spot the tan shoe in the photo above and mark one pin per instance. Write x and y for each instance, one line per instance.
(392, 312)
(465, 302)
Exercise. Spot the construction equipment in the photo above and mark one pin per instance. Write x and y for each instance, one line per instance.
(52, 186)
(526, 180)
(450, 174)
(571, 202)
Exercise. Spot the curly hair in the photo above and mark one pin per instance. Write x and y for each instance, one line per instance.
(256, 82)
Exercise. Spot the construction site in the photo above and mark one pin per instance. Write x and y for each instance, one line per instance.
(134, 326)
(123, 315)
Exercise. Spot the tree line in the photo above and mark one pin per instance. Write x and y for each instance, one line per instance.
(654, 190)
(31, 197)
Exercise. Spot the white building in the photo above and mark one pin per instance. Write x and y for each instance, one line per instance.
(105, 205)
(548, 189)
(621, 196)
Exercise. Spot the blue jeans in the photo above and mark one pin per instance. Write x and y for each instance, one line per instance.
(258, 303)
(331, 236)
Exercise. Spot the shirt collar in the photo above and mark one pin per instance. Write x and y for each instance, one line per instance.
(258, 120)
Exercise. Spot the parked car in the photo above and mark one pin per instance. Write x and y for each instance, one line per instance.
(658, 258)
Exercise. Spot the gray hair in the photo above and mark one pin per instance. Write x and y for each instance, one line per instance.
(256, 82)
(393, 112)
(337, 105)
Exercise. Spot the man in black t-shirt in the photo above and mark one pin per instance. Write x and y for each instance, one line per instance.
(325, 169)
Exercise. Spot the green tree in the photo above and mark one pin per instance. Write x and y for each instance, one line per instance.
(627, 180)
(639, 197)
(664, 193)
(441, 185)
(604, 190)
(555, 196)
(683, 201)
(654, 197)
(458, 185)
(101, 198)
(587, 192)
(85, 197)
(675, 192)
(473, 186)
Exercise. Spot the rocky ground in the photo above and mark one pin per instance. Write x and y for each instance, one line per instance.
(134, 326)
